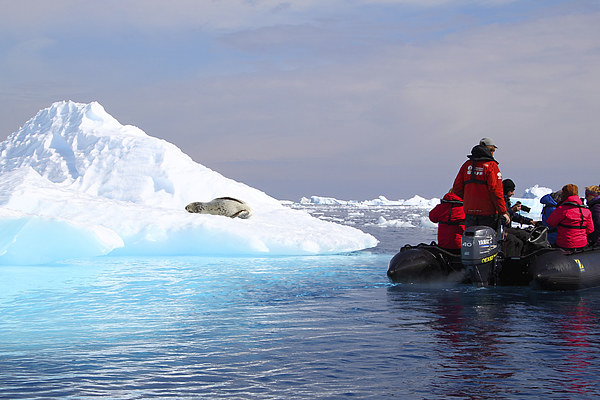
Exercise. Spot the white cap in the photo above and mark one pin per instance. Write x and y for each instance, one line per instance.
(486, 141)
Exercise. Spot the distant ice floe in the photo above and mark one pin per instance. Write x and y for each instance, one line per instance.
(410, 221)
(395, 223)
(415, 201)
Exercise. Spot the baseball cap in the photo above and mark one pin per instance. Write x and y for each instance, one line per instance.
(486, 141)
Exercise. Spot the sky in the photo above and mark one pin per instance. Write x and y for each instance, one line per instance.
(351, 99)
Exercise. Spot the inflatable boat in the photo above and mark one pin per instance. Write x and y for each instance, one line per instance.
(481, 262)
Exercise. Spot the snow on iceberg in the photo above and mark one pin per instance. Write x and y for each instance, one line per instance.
(75, 182)
(536, 192)
(415, 202)
(394, 223)
(328, 201)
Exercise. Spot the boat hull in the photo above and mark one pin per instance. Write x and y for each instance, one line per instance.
(547, 269)
(560, 270)
(425, 264)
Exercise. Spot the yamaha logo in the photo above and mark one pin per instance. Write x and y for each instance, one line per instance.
(488, 259)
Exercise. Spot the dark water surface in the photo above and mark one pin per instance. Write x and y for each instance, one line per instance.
(326, 327)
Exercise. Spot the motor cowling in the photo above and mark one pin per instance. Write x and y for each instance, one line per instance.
(478, 245)
(479, 249)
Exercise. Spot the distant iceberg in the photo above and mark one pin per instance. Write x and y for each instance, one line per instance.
(536, 192)
(415, 201)
(74, 182)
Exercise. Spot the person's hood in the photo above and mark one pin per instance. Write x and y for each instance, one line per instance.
(574, 199)
(594, 201)
(452, 197)
(548, 200)
(481, 153)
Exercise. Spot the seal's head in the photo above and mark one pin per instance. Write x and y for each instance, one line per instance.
(193, 207)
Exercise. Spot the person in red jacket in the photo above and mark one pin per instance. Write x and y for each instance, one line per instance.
(479, 183)
(450, 216)
(573, 219)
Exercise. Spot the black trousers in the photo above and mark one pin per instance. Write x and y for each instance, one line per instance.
(515, 242)
(485, 220)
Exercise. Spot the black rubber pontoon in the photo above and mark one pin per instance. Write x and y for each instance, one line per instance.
(425, 263)
(563, 270)
(483, 263)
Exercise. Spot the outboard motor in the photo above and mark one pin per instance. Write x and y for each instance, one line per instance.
(479, 249)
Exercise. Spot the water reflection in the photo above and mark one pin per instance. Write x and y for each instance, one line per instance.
(506, 343)
(577, 331)
(470, 330)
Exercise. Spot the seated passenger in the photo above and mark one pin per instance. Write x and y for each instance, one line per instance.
(450, 216)
(550, 202)
(592, 198)
(509, 190)
(515, 240)
(573, 219)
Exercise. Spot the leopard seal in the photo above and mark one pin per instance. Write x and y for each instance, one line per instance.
(227, 206)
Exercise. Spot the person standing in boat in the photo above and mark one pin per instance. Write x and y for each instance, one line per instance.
(573, 220)
(479, 183)
(450, 217)
(592, 199)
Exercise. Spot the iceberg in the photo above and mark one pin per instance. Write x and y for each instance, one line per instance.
(536, 192)
(74, 182)
(415, 202)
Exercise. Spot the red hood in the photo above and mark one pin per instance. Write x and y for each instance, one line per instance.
(452, 196)
(574, 199)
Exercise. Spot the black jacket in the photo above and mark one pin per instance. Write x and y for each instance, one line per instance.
(516, 217)
(481, 153)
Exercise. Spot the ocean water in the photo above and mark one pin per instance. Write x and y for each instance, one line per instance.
(329, 327)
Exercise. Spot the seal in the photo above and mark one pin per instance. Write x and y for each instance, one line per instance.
(227, 206)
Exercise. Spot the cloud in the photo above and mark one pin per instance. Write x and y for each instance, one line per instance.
(148, 15)
(155, 14)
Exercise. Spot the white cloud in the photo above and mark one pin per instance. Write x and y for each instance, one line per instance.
(39, 15)
(152, 14)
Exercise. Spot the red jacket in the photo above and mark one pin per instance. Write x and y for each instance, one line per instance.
(482, 193)
(574, 223)
(451, 218)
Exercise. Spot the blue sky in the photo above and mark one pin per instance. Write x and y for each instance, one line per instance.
(351, 99)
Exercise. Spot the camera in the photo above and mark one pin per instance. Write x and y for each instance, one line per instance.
(524, 207)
